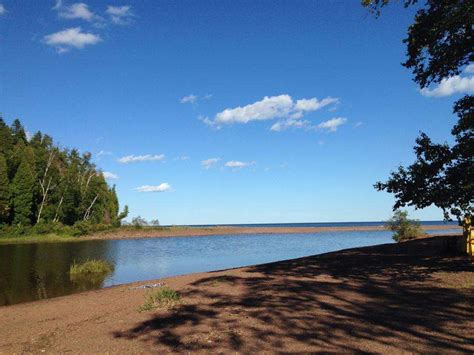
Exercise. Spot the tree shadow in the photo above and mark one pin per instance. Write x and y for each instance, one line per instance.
(379, 298)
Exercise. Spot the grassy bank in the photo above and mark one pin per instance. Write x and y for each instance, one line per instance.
(56, 234)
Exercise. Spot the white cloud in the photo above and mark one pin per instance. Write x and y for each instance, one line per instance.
(290, 123)
(271, 107)
(469, 69)
(138, 158)
(2, 9)
(332, 124)
(163, 187)
(71, 38)
(182, 157)
(209, 122)
(120, 15)
(189, 99)
(281, 107)
(206, 164)
(110, 176)
(452, 85)
(456, 84)
(78, 10)
(358, 124)
(29, 135)
(235, 164)
(313, 104)
(192, 99)
(103, 152)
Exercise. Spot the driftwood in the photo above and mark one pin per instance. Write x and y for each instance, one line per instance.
(159, 284)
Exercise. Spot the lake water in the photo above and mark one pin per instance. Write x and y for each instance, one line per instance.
(34, 271)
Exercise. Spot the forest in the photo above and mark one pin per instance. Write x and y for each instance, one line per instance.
(45, 188)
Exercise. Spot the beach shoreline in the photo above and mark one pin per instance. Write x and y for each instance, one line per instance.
(363, 299)
(167, 232)
(190, 231)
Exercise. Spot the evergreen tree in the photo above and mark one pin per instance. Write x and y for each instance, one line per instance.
(6, 139)
(41, 182)
(22, 188)
(4, 192)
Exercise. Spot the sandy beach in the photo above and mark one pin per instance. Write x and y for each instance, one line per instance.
(389, 298)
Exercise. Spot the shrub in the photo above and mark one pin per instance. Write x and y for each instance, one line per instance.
(139, 222)
(164, 297)
(404, 228)
(47, 227)
(81, 228)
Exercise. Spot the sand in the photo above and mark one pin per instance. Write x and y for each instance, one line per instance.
(409, 297)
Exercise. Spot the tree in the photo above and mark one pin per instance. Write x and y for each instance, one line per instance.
(4, 192)
(442, 175)
(22, 189)
(42, 183)
(440, 44)
(139, 222)
(18, 132)
(404, 228)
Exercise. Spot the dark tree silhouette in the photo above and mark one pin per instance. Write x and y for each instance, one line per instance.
(440, 44)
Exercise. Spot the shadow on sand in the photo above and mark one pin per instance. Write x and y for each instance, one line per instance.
(383, 298)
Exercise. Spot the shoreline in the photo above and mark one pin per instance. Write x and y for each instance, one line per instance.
(177, 231)
(348, 300)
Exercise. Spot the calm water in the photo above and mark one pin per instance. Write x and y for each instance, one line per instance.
(35, 271)
(326, 224)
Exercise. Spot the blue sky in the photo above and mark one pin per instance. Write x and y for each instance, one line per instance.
(226, 111)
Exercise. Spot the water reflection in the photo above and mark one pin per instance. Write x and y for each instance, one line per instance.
(37, 271)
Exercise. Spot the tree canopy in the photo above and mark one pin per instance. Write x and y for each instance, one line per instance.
(440, 44)
(42, 183)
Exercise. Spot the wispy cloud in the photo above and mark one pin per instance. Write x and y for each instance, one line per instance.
(469, 69)
(208, 163)
(192, 99)
(235, 164)
(281, 107)
(330, 125)
(110, 176)
(290, 123)
(457, 84)
(189, 99)
(358, 124)
(139, 158)
(333, 124)
(120, 15)
(182, 157)
(103, 153)
(69, 38)
(163, 187)
(2, 9)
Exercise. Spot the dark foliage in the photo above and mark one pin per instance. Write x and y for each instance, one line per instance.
(440, 44)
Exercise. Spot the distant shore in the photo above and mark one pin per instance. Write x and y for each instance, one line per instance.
(190, 231)
(177, 231)
(393, 298)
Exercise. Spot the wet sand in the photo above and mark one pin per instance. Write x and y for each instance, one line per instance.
(409, 297)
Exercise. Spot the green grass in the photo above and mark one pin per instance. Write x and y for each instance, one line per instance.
(91, 267)
(37, 238)
(164, 297)
(70, 234)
